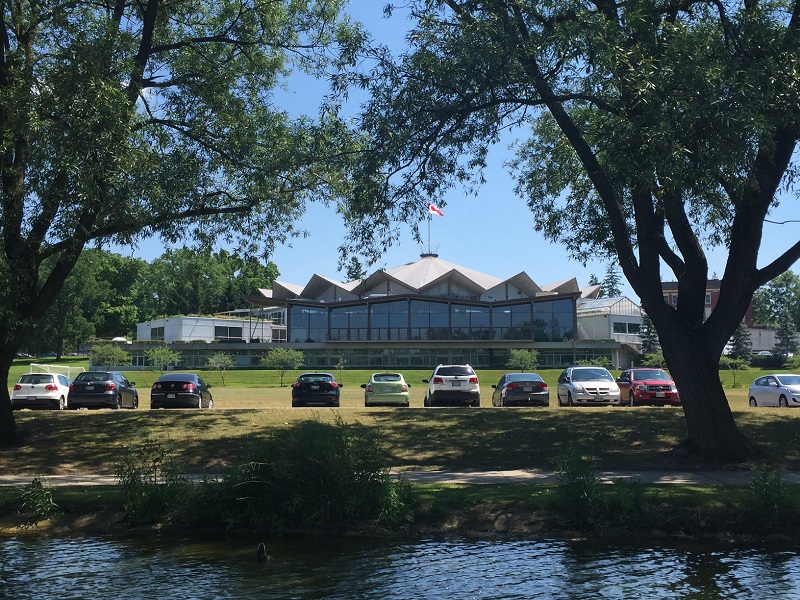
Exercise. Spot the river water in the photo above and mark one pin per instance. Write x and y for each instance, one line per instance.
(156, 567)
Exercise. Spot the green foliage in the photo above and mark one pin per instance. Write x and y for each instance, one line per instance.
(597, 361)
(649, 335)
(609, 287)
(38, 500)
(283, 359)
(733, 364)
(654, 360)
(779, 296)
(522, 359)
(580, 491)
(315, 475)
(793, 362)
(153, 482)
(109, 355)
(160, 357)
(219, 362)
(785, 336)
(769, 501)
(741, 344)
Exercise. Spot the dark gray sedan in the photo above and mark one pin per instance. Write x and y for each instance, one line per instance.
(180, 390)
(521, 389)
(102, 389)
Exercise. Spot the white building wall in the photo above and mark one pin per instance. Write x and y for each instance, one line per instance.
(190, 329)
(594, 327)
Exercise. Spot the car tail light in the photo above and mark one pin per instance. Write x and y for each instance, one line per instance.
(473, 380)
(51, 387)
(334, 385)
(156, 386)
(189, 387)
(296, 384)
(512, 386)
(543, 385)
(110, 387)
(438, 380)
(71, 387)
(369, 387)
(17, 387)
(405, 387)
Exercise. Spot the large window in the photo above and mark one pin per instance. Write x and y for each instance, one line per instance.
(389, 320)
(227, 333)
(513, 322)
(429, 320)
(349, 323)
(309, 324)
(157, 333)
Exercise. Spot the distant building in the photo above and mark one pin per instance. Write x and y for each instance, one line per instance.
(670, 291)
(618, 319)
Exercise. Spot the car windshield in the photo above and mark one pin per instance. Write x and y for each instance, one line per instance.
(651, 374)
(454, 371)
(790, 380)
(90, 376)
(386, 377)
(523, 377)
(591, 375)
(36, 379)
(315, 378)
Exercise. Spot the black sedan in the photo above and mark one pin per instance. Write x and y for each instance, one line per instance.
(521, 389)
(315, 388)
(180, 390)
(102, 389)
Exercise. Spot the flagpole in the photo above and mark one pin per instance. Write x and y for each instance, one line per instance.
(429, 233)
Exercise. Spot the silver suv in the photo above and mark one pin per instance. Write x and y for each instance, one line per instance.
(587, 385)
(453, 385)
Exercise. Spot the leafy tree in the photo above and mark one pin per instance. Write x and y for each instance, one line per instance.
(649, 335)
(283, 359)
(741, 344)
(161, 357)
(779, 296)
(109, 355)
(610, 283)
(219, 362)
(355, 270)
(656, 360)
(785, 336)
(522, 359)
(593, 280)
(126, 120)
(655, 131)
(734, 364)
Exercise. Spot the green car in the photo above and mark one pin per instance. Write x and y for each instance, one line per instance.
(386, 389)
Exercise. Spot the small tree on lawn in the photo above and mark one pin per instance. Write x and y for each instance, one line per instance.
(741, 343)
(160, 357)
(522, 359)
(219, 362)
(283, 359)
(734, 364)
(109, 355)
(340, 363)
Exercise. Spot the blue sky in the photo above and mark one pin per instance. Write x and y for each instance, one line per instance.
(491, 231)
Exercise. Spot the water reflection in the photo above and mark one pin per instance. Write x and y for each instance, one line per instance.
(307, 568)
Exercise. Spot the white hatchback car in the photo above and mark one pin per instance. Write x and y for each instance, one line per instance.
(587, 385)
(41, 390)
(454, 385)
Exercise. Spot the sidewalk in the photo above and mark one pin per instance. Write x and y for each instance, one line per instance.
(474, 477)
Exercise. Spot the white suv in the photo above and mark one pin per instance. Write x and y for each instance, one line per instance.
(453, 385)
(587, 385)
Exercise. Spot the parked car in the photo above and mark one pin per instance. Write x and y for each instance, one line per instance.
(521, 389)
(180, 390)
(642, 385)
(587, 385)
(41, 390)
(776, 390)
(386, 389)
(98, 389)
(452, 385)
(316, 388)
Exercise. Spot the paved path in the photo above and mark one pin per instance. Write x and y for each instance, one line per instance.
(477, 477)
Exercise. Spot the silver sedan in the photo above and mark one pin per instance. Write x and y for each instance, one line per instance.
(776, 390)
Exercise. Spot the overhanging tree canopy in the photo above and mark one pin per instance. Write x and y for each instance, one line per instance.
(121, 120)
(649, 131)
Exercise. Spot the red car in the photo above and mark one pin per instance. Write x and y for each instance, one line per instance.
(644, 385)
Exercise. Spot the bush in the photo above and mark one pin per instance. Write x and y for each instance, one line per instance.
(579, 493)
(315, 475)
(769, 500)
(153, 482)
(38, 500)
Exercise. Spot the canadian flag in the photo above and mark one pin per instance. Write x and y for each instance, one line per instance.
(435, 210)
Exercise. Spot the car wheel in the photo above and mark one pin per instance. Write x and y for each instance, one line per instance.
(210, 403)
(753, 401)
(136, 401)
(782, 401)
(426, 402)
(630, 399)
(569, 399)
(476, 403)
(117, 403)
(200, 402)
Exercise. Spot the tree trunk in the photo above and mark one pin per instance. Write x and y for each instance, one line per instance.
(9, 435)
(712, 431)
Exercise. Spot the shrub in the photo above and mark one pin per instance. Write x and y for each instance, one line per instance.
(579, 492)
(153, 482)
(769, 500)
(38, 500)
(315, 475)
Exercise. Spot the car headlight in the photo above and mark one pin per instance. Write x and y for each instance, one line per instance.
(578, 388)
(641, 387)
(673, 388)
